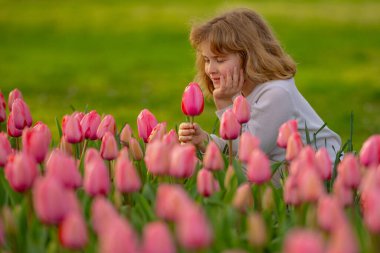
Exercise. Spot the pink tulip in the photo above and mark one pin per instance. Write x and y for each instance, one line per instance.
(157, 244)
(3, 114)
(302, 240)
(170, 138)
(11, 128)
(135, 149)
(349, 171)
(109, 149)
(323, 163)
(342, 192)
(13, 95)
(5, 149)
(291, 191)
(183, 161)
(96, 176)
(242, 109)
(126, 134)
(213, 159)
(258, 168)
(205, 183)
(371, 210)
(21, 171)
(21, 114)
(145, 124)
(229, 126)
(49, 200)
(73, 232)
(243, 199)
(126, 177)
(157, 158)
(72, 129)
(193, 230)
(343, 239)
(107, 124)
(192, 100)
(36, 142)
(330, 214)
(286, 129)
(102, 211)
(89, 124)
(158, 132)
(310, 185)
(63, 167)
(248, 142)
(294, 146)
(370, 151)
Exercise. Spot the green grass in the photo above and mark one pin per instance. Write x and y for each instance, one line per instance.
(120, 57)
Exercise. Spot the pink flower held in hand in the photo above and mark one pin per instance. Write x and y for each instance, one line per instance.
(126, 177)
(5, 149)
(21, 171)
(71, 129)
(294, 146)
(21, 114)
(157, 158)
(3, 114)
(108, 124)
(145, 124)
(152, 243)
(213, 159)
(248, 142)
(241, 109)
(73, 232)
(108, 148)
(13, 95)
(205, 183)
(258, 169)
(192, 100)
(286, 129)
(370, 151)
(302, 240)
(349, 171)
(183, 161)
(90, 123)
(229, 126)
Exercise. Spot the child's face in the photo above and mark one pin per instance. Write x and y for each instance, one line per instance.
(218, 65)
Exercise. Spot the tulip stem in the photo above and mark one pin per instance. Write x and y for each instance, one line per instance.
(191, 119)
(82, 153)
(230, 152)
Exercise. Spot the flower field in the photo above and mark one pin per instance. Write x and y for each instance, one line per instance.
(105, 189)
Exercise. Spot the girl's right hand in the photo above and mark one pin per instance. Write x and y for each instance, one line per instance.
(192, 133)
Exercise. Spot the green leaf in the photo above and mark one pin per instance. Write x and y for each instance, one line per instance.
(58, 127)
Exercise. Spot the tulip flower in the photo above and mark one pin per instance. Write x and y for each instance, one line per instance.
(13, 95)
(158, 132)
(89, 124)
(294, 146)
(291, 191)
(371, 210)
(303, 240)
(107, 124)
(243, 199)
(11, 128)
(21, 171)
(108, 149)
(126, 134)
(258, 168)
(170, 138)
(96, 175)
(229, 126)
(213, 159)
(36, 142)
(330, 214)
(3, 114)
(183, 161)
(157, 158)
(247, 143)
(343, 239)
(285, 130)
(256, 230)
(126, 177)
(157, 244)
(267, 201)
(5, 149)
(205, 183)
(73, 232)
(242, 109)
(135, 149)
(323, 163)
(102, 211)
(370, 151)
(192, 100)
(310, 185)
(145, 124)
(343, 193)
(21, 114)
(72, 129)
(349, 171)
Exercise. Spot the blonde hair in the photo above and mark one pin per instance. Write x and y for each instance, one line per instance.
(246, 33)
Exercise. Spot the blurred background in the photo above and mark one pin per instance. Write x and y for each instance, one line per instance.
(119, 57)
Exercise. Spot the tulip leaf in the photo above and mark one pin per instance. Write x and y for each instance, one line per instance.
(58, 127)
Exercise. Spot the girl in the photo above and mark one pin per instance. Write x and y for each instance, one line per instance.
(237, 53)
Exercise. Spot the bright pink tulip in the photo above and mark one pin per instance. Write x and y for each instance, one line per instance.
(145, 124)
(21, 171)
(302, 240)
(96, 175)
(330, 214)
(64, 168)
(126, 134)
(310, 185)
(349, 171)
(71, 129)
(343, 193)
(291, 191)
(170, 138)
(294, 146)
(242, 109)
(109, 149)
(11, 128)
(213, 159)
(73, 231)
(78, 115)
(36, 142)
(286, 129)
(13, 95)
(21, 114)
(205, 183)
(49, 200)
(157, 244)
(248, 142)
(192, 100)
(229, 126)
(90, 123)
(370, 151)
(243, 199)
(193, 230)
(258, 168)
(126, 177)
(157, 158)
(107, 124)
(323, 163)
(183, 161)
(5, 149)
(3, 114)
(102, 211)
(158, 132)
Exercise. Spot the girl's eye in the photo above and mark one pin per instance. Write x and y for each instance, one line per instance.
(219, 60)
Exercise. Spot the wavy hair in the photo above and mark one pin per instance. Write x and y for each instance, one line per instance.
(246, 33)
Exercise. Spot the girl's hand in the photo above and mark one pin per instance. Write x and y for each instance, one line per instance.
(230, 85)
(193, 133)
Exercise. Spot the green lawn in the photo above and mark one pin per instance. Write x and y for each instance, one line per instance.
(120, 57)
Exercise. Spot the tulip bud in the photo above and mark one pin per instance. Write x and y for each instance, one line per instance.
(102, 211)
(96, 175)
(286, 129)
(170, 138)
(349, 171)
(242, 109)
(158, 132)
(183, 161)
(108, 149)
(229, 126)
(135, 149)
(21, 171)
(343, 239)
(36, 141)
(302, 240)
(71, 129)
(145, 124)
(258, 169)
(268, 199)
(192, 100)
(13, 95)
(126, 177)
(256, 230)
(5, 149)
(323, 163)
(73, 232)
(21, 114)
(243, 199)
(342, 193)
(371, 211)
(126, 134)
(205, 183)
(157, 158)
(291, 191)
(108, 124)
(330, 214)
(11, 128)
(3, 114)
(213, 159)
(370, 151)
(310, 185)
(294, 146)
(157, 244)
(90, 124)
(248, 142)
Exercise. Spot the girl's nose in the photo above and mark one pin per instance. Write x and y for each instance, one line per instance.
(211, 68)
